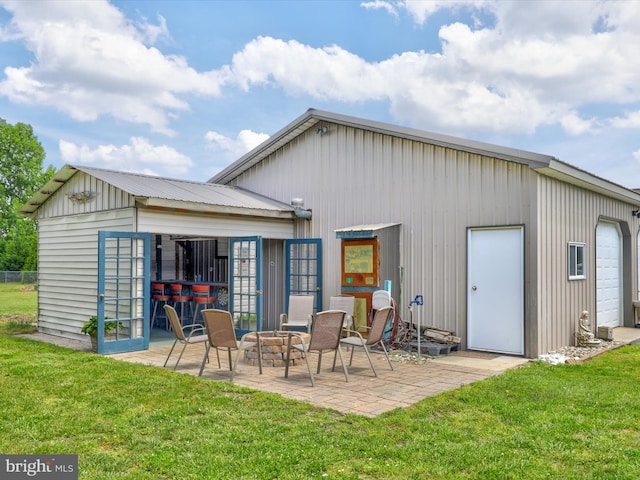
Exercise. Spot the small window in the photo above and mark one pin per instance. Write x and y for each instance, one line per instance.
(577, 258)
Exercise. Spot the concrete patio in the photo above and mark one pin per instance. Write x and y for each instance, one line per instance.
(364, 394)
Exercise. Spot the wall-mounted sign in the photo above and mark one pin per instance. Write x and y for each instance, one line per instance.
(360, 262)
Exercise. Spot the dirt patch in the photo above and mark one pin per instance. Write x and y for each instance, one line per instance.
(19, 318)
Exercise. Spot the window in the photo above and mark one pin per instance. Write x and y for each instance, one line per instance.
(577, 258)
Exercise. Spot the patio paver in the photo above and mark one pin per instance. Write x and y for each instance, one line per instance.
(364, 394)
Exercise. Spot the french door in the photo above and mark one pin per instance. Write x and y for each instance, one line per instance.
(246, 283)
(123, 286)
(304, 268)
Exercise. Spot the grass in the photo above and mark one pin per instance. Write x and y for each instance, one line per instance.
(18, 307)
(140, 422)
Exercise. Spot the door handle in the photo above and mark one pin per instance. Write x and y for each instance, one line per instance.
(101, 296)
(474, 288)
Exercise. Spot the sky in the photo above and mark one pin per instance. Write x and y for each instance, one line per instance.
(181, 89)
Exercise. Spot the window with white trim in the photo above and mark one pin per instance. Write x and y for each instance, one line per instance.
(577, 258)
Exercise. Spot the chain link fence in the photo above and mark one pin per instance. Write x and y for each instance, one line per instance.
(18, 277)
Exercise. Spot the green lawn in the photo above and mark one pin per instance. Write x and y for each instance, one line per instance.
(18, 299)
(140, 422)
(18, 307)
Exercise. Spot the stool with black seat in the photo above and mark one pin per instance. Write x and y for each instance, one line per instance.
(179, 298)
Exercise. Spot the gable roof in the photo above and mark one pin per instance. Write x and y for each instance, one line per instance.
(543, 164)
(150, 191)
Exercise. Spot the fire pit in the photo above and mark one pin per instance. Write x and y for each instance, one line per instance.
(273, 345)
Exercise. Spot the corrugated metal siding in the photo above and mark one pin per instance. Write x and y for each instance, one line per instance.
(571, 214)
(350, 177)
(67, 268)
(104, 197)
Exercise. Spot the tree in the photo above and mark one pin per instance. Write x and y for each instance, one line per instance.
(21, 175)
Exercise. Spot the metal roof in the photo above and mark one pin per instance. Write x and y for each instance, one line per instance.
(362, 231)
(543, 164)
(153, 191)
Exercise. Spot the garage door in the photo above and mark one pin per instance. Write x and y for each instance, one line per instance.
(608, 275)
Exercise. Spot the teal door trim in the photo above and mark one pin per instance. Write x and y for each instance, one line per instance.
(245, 285)
(304, 268)
(123, 291)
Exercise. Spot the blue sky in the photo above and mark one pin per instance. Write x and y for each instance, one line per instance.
(182, 88)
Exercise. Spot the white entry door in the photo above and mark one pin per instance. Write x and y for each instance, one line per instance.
(608, 275)
(495, 290)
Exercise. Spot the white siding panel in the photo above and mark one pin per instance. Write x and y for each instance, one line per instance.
(68, 268)
(175, 223)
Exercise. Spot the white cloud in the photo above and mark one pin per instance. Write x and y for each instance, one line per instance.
(138, 156)
(529, 64)
(152, 33)
(631, 120)
(421, 10)
(324, 73)
(561, 57)
(233, 148)
(574, 125)
(380, 5)
(92, 61)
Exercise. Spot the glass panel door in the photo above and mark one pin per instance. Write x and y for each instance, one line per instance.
(246, 284)
(304, 268)
(123, 286)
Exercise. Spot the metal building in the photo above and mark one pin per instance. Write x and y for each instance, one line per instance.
(506, 246)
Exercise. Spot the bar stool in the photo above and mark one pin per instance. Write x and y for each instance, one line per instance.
(201, 299)
(159, 298)
(178, 298)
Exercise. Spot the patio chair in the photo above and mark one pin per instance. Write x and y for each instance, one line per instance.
(326, 334)
(222, 335)
(381, 318)
(196, 333)
(299, 314)
(345, 303)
